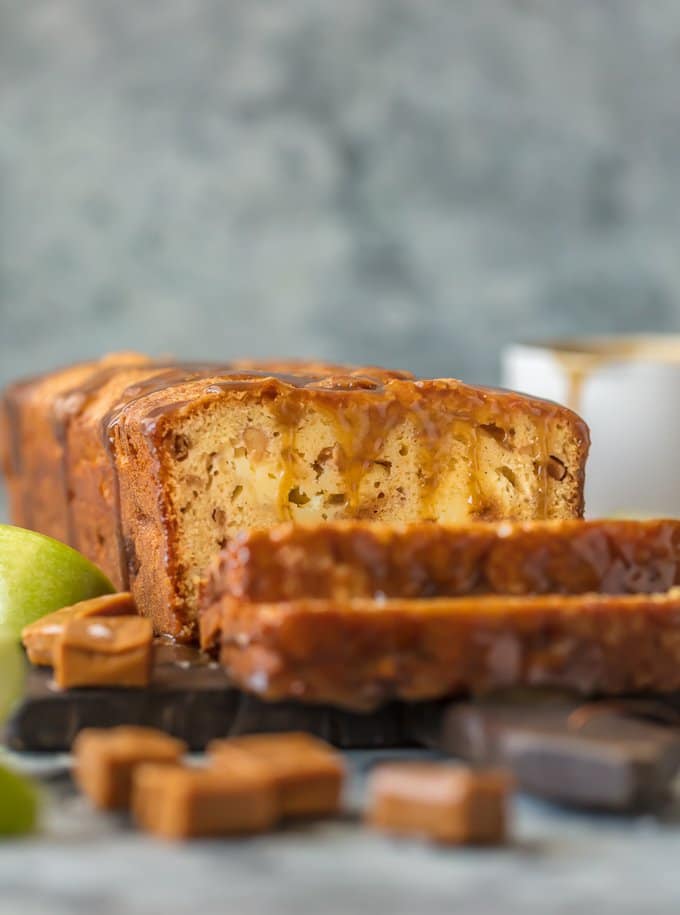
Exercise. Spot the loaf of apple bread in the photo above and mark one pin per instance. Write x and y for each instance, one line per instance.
(150, 468)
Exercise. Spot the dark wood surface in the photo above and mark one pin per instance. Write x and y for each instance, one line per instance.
(189, 696)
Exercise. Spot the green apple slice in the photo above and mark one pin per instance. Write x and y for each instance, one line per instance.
(39, 575)
(19, 804)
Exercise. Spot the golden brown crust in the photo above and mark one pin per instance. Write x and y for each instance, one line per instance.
(33, 458)
(351, 559)
(35, 414)
(362, 653)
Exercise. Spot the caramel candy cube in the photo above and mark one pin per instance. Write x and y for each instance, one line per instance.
(104, 760)
(177, 802)
(446, 803)
(40, 637)
(102, 651)
(306, 772)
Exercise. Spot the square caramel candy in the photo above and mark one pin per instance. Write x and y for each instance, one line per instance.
(178, 802)
(104, 760)
(40, 637)
(307, 773)
(104, 651)
(446, 803)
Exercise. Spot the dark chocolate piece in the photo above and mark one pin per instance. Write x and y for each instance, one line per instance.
(191, 698)
(594, 755)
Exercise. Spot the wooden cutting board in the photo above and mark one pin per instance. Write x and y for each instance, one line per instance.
(189, 696)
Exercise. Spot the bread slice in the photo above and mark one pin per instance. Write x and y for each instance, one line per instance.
(361, 653)
(342, 560)
(158, 474)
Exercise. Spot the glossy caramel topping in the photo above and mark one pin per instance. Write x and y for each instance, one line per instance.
(363, 410)
(361, 653)
(359, 559)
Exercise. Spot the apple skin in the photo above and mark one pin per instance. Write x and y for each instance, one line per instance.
(19, 803)
(39, 575)
(12, 674)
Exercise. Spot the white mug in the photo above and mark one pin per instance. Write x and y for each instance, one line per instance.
(628, 391)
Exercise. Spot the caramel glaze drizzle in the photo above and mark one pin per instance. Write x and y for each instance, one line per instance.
(360, 431)
(476, 412)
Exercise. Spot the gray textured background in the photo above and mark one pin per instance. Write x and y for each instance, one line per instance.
(404, 181)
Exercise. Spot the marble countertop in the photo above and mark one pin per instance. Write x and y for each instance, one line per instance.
(560, 862)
